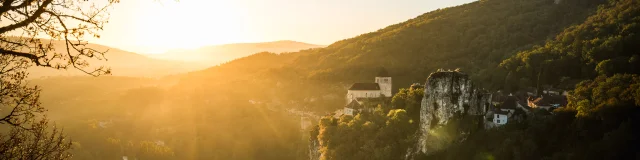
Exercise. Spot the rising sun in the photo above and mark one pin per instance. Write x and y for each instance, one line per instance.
(157, 27)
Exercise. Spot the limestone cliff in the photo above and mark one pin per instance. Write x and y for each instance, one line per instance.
(314, 144)
(448, 94)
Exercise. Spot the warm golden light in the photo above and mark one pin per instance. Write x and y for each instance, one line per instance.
(154, 27)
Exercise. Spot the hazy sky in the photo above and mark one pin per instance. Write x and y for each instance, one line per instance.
(149, 26)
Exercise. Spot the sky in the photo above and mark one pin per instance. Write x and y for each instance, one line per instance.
(155, 26)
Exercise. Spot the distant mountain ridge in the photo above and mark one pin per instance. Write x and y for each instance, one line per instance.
(122, 63)
(125, 63)
(213, 55)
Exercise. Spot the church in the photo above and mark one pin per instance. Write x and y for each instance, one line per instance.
(381, 88)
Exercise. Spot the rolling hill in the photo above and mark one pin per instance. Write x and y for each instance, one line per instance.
(213, 55)
(122, 63)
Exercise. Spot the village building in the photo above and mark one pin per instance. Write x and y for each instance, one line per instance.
(380, 88)
(497, 98)
(547, 102)
(506, 107)
(510, 104)
(500, 117)
(352, 108)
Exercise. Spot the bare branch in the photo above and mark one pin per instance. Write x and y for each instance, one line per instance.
(35, 59)
(29, 20)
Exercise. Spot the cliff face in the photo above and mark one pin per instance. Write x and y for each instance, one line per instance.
(314, 145)
(447, 96)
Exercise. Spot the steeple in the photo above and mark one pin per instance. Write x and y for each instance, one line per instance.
(384, 81)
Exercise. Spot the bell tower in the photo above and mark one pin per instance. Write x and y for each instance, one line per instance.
(384, 80)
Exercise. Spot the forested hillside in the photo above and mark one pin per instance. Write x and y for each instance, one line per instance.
(601, 118)
(606, 43)
(237, 110)
(475, 37)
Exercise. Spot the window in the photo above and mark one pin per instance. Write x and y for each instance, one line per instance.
(498, 121)
(386, 80)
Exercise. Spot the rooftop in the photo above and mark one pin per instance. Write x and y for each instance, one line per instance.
(547, 100)
(354, 105)
(510, 102)
(501, 112)
(365, 86)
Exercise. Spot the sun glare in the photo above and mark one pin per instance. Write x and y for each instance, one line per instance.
(168, 25)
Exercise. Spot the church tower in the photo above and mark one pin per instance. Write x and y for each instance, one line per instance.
(384, 80)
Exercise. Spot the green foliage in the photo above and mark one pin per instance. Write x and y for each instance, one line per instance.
(409, 100)
(618, 90)
(605, 44)
(366, 136)
(475, 37)
(600, 122)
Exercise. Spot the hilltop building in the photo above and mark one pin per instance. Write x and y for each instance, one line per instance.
(381, 88)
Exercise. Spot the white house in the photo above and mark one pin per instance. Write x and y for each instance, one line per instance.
(381, 88)
(348, 111)
(352, 108)
(500, 117)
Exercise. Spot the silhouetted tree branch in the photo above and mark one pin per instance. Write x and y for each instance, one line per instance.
(34, 25)
(30, 31)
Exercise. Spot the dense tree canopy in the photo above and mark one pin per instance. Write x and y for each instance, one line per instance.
(366, 136)
(474, 37)
(605, 44)
(601, 118)
(600, 122)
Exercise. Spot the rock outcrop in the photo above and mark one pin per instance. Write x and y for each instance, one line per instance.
(448, 94)
(314, 144)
